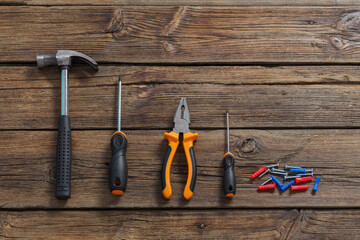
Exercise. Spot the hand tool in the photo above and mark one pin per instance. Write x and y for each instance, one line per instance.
(289, 167)
(303, 179)
(118, 165)
(180, 132)
(316, 185)
(302, 187)
(276, 181)
(284, 187)
(229, 161)
(64, 59)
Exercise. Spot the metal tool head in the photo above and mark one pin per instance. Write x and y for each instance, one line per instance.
(64, 58)
(182, 118)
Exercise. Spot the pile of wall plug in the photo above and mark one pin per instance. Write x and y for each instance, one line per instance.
(296, 175)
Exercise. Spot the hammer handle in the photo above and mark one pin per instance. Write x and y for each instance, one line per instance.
(63, 159)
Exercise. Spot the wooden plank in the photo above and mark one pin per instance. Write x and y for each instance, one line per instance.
(151, 95)
(181, 224)
(341, 224)
(28, 160)
(24, 77)
(185, 2)
(152, 224)
(186, 34)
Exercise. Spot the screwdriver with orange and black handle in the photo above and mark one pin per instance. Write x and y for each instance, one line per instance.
(229, 161)
(118, 165)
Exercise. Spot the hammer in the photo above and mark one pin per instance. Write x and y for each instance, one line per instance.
(64, 59)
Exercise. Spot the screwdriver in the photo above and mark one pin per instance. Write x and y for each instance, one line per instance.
(118, 165)
(229, 161)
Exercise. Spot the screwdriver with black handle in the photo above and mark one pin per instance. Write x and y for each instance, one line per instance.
(118, 165)
(229, 161)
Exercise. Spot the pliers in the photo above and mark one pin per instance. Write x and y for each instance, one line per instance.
(180, 132)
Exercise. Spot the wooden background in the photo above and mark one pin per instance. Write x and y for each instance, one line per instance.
(287, 70)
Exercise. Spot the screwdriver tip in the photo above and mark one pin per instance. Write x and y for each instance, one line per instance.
(227, 111)
(120, 77)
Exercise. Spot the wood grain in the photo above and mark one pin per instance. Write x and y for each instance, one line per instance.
(185, 34)
(198, 44)
(181, 224)
(28, 159)
(152, 224)
(324, 224)
(258, 97)
(185, 2)
(31, 77)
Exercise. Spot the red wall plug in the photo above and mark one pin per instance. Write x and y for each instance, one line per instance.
(258, 172)
(301, 187)
(303, 179)
(269, 186)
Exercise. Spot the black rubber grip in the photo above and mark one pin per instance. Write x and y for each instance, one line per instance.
(118, 165)
(163, 169)
(229, 175)
(194, 172)
(63, 159)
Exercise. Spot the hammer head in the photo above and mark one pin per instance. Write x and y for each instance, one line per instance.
(64, 58)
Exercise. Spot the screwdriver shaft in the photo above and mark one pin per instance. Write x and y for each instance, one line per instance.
(119, 105)
(227, 130)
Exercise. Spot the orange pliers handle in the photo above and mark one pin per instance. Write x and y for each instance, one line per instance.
(188, 143)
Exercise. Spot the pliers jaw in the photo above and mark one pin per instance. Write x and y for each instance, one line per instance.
(182, 117)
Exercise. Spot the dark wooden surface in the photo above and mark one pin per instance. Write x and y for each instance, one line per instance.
(287, 70)
(184, 34)
(213, 224)
(258, 97)
(330, 152)
(187, 2)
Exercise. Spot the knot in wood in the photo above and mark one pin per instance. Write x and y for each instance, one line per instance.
(202, 226)
(248, 145)
(349, 33)
(116, 23)
(51, 172)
